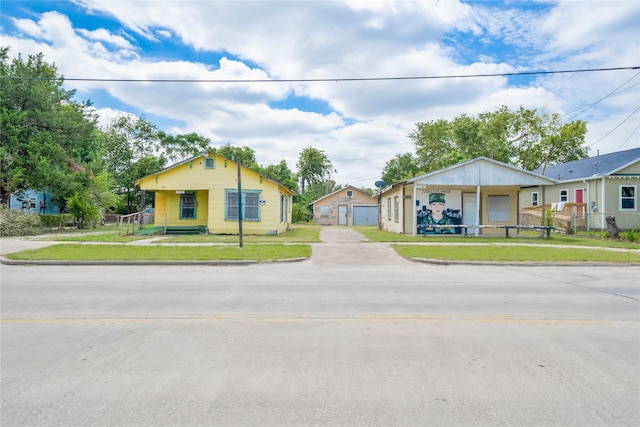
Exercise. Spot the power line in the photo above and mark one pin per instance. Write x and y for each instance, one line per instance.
(593, 104)
(619, 124)
(320, 80)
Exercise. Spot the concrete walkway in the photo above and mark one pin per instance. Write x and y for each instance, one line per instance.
(343, 246)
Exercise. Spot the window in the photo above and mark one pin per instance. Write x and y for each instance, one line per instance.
(209, 163)
(250, 205)
(389, 208)
(349, 193)
(284, 208)
(188, 206)
(499, 208)
(534, 198)
(628, 200)
(396, 209)
(564, 195)
(324, 210)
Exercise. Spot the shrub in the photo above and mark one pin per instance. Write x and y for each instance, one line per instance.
(84, 209)
(299, 214)
(630, 236)
(17, 223)
(56, 220)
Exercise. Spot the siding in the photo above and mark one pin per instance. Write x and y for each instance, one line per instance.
(211, 186)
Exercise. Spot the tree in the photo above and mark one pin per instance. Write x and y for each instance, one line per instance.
(48, 141)
(280, 173)
(524, 138)
(245, 155)
(179, 147)
(132, 150)
(313, 167)
(400, 168)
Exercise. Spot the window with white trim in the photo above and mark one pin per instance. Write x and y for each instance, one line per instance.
(628, 198)
(564, 195)
(396, 209)
(534, 198)
(389, 208)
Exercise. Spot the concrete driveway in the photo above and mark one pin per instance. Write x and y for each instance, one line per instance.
(343, 246)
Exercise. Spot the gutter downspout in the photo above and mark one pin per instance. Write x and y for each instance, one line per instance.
(584, 181)
(602, 209)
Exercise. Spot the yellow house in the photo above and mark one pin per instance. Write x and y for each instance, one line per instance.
(202, 192)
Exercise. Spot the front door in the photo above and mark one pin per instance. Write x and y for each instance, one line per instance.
(470, 210)
(342, 215)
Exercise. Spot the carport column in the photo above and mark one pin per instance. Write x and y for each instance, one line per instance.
(477, 231)
(413, 204)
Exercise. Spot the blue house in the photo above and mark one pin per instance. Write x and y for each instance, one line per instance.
(33, 201)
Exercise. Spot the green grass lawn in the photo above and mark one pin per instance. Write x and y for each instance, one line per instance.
(86, 252)
(292, 245)
(299, 233)
(514, 253)
(374, 235)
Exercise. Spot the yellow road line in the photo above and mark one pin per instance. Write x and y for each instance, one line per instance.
(259, 318)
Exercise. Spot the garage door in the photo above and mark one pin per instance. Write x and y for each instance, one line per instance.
(365, 215)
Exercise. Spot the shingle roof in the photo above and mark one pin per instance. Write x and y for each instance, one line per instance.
(602, 165)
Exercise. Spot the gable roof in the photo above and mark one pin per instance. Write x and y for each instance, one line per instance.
(205, 153)
(482, 171)
(348, 187)
(602, 165)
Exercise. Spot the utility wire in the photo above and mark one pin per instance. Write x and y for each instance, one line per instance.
(619, 124)
(354, 79)
(593, 104)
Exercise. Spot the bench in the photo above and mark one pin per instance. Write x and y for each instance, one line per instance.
(546, 228)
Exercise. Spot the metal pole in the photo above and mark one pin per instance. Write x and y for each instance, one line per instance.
(239, 205)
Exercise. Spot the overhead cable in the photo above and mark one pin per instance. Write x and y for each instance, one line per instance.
(319, 80)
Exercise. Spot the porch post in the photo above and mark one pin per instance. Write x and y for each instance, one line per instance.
(477, 231)
(414, 232)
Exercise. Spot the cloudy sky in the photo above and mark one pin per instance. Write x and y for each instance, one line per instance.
(331, 54)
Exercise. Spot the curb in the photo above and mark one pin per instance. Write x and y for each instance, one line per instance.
(231, 262)
(527, 263)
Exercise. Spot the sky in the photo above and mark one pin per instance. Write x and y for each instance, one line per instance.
(335, 75)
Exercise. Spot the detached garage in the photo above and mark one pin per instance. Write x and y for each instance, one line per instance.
(347, 206)
(365, 215)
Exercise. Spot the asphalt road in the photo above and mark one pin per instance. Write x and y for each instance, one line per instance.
(355, 336)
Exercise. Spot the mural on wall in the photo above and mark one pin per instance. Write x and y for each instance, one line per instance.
(439, 208)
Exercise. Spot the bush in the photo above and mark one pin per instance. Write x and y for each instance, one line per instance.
(630, 236)
(84, 209)
(17, 223)
(56, 220)
(299, 214)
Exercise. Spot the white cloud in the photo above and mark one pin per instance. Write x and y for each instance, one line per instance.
(304, 40)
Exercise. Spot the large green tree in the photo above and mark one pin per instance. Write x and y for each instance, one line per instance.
(47, 140)
(245, 155)
(525, 138)
(132, 149)
(281, 173)
(314, 167)
(179, 147)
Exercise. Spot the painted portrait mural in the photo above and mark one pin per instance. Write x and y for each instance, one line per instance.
(439, 211)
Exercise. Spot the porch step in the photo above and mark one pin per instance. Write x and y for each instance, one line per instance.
(188, 229)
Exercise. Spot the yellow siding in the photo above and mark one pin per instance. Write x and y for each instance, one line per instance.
(391, 224)
(513, 193)
(210, 186)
